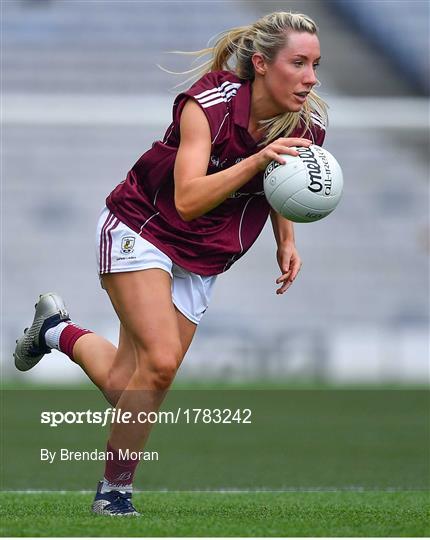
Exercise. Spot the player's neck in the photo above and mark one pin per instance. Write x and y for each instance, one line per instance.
(261, 107)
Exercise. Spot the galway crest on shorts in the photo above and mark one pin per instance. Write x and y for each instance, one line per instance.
(127, 244)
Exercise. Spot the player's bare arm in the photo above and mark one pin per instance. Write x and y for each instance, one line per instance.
(289, 260)
(197, 193)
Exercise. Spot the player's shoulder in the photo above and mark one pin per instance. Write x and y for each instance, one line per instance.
(215, 88)
(213, 92)
(313, 128)
(317, 127)
(318, 120)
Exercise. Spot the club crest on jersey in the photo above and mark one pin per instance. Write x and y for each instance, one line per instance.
(127, 244)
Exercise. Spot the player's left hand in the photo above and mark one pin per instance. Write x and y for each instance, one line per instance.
(290, 263)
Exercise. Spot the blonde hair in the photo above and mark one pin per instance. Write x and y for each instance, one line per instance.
(266, 36)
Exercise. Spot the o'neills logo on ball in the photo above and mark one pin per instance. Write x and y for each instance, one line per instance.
(270, 168)
(318, 181)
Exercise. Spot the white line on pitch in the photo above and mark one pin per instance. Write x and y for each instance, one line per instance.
(357, 489)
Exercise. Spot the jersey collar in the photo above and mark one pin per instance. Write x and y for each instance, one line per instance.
(242, 112)
(242, 105)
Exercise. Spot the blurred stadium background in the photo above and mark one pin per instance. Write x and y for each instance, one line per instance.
(82, 99)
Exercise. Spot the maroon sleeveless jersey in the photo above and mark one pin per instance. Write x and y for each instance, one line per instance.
(144, 201)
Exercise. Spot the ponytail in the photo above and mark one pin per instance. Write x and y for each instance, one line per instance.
(266, 36)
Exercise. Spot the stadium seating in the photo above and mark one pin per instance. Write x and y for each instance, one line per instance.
(365, 267)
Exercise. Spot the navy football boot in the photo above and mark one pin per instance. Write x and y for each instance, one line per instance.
(113, 503)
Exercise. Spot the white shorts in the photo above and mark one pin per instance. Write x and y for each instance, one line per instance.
(120, 249)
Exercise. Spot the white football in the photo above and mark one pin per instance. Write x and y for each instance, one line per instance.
(307, 188)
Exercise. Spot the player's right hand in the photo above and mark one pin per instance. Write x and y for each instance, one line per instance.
(274, 151)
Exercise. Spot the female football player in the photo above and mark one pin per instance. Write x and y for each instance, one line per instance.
(189, 208)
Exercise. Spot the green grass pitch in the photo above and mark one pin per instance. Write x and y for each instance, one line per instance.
(371, 514)
(314, 462)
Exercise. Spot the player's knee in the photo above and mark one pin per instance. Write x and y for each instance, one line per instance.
(160, 366)
(163, 371)
(163, 377)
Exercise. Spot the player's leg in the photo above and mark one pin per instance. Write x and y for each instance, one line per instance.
(123, 364)
(160, 336)
(53, 329)
(144, 305)
(108, 367)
